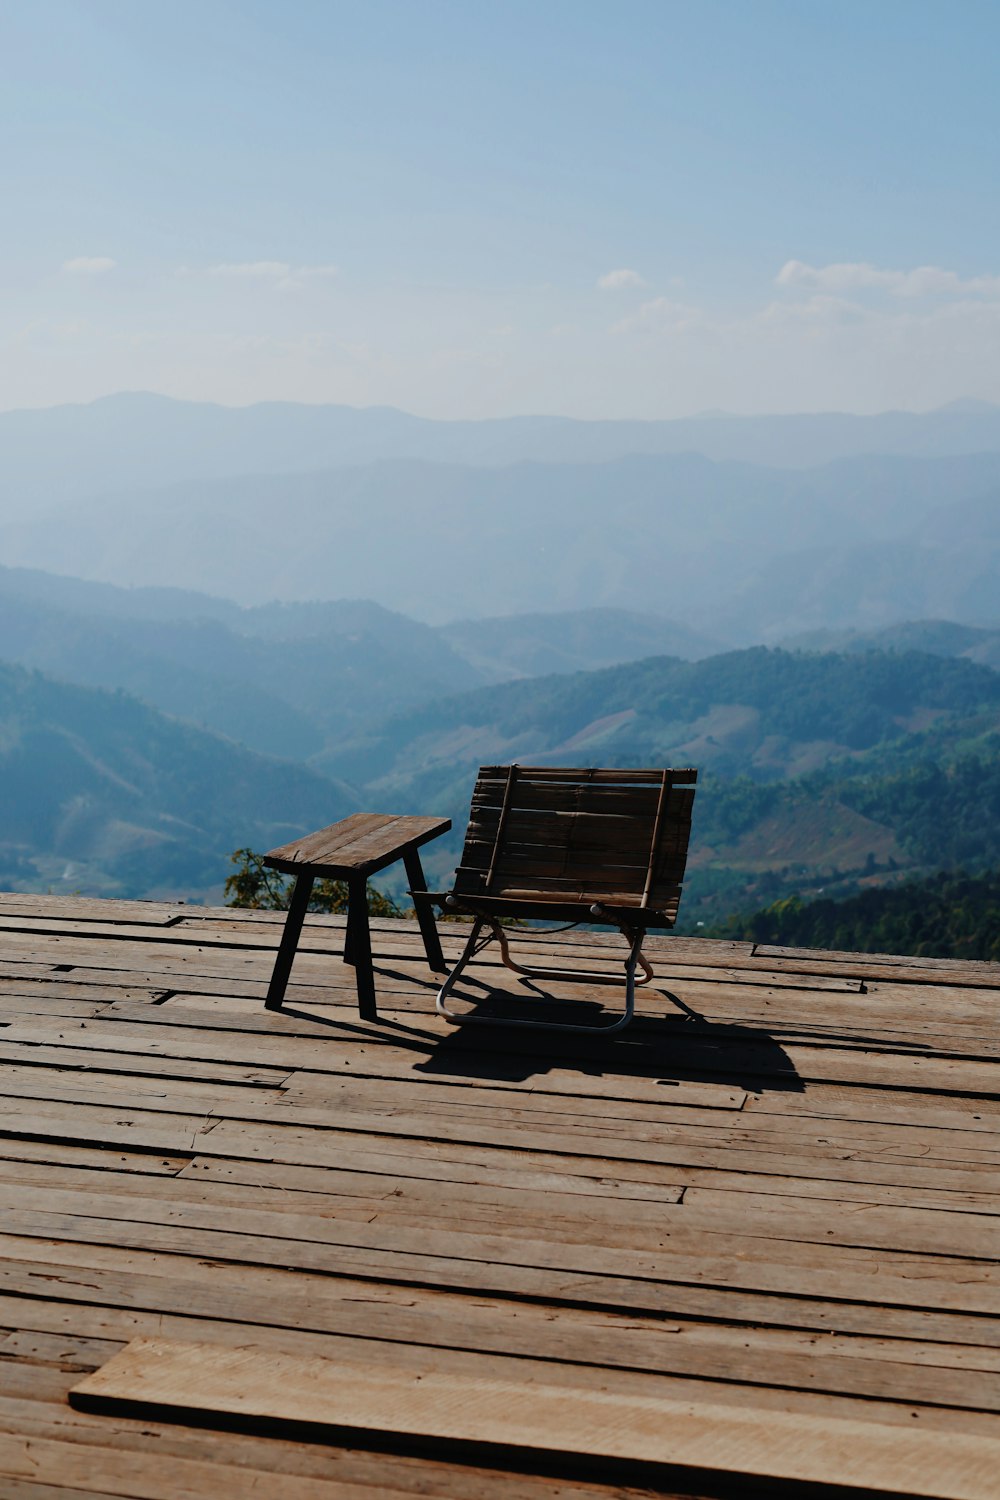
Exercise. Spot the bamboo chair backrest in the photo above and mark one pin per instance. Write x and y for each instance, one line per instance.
(573, 838)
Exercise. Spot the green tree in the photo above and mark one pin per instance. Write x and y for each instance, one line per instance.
(253, 885)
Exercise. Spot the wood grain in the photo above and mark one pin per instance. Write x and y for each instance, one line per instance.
(547, 1414)
(771, 1211)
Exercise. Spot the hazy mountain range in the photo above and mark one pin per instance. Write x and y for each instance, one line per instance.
(736, 551)
(322, 608)
(289, 679)
(137, 439)
(808, 760)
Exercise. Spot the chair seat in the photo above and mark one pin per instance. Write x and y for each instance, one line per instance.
(542, 908)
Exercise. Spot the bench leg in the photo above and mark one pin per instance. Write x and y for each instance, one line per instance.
(359, 943)
(349, 930)
(289, 941)
(425, 914)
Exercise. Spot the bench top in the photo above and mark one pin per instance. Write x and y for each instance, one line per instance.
(359, 845)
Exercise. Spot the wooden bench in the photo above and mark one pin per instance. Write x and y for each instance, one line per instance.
(352, 850)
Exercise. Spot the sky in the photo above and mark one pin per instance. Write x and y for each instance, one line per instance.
(645, 208)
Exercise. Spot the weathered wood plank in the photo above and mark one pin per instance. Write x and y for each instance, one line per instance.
(730, 1059)
(786, 1202)
(296, 1299)
(481, 1407)
(364, 842)
(496, 1263)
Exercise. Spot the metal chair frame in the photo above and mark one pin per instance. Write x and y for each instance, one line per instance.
(473, 946)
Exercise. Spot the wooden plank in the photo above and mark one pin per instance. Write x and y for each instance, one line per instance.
(505, 1266)
(584, 1242)
(92, 1468)
(158, 1461)
(550, 1213)
(48, 1005)
(729, 1058)
(248, 1382)
(179, 1043)
(125, 1090)
(28, 1489)
(897, 968)
(70, 1155)
(410, 1155)
(898, 1108)
(73, 1059)
(61, 987)
(584, 776)
(172, 1463)
(897, 1369)
(251, 1140)
(546, 1215)
(93, 908)
(946, 966)
(418, 1360)
(419, 1167)
(261, 1295)
(404, 943)
(364, 842)
(74, 1353)
(85, 1124)
(373, 1106)
(176, 965)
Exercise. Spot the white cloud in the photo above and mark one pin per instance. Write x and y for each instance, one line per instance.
(660, 315)
(281, 273)
(820, 308)
(922, 281)
(614, 281)
(268, 269)
(89, 265)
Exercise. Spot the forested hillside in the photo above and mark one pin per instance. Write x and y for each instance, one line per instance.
(819, 773)
(816, 771)
(764, 713)
(947, 915)
(104, 794)
(850, 824)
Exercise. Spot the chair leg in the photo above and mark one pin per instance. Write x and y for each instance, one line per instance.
(349, 929)
(467, 953)
(289, 941)
(601, 1028)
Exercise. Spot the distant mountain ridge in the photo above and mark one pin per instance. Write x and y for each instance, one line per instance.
(737, 551)
(937, 637)
(285, 679)
(52, 455)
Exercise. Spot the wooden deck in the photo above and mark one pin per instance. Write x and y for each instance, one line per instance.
(755, 1241)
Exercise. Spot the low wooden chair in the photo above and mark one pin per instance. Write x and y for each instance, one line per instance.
(592, 846)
